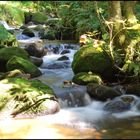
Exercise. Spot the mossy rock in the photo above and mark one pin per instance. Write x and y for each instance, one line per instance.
(22, 64)
(24, 96)
(101, 92)
(83, 78)
(133, 89)
(8, 53)
(6, 38)
(48, 34)
(38, 17)
(12, 15)
(13, 73)
(93, 59)
(28, 32)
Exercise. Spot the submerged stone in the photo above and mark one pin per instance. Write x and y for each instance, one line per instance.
(120, 104)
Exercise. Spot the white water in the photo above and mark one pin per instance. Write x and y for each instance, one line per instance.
(72, 113)
(75, 116)
(4, 23)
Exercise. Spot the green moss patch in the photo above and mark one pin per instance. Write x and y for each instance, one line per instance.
(24, 65)
(6, 38)
(22, 95)
(83, 78)
(92, 59)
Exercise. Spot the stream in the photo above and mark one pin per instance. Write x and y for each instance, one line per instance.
(80, 116)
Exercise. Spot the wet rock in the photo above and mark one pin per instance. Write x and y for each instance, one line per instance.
(102, 93)
(120, 104)
(37, 61)
(22, 37)
(133, 89)
(28, 32)
(128, 98)
(35, 50)
(56, 49)
(7, 53)
(83, 78)
(24, 65)
(120, 88)
(22, 96)
(6, 38)
(72, 96)
(58, 65)
(138, 106)
(95, 60)
(62, 58)
(14, 73)
(65, 51)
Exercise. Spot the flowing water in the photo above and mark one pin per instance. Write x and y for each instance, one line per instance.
(79, 116)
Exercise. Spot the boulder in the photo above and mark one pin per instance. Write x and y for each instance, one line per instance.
(65, 51)
(95, 60)
(120, 104)
(35, 50)
(133, 89)
(83, 78)
(101, 92)
(22, 64)
(14, 73)
(22, 96)
(59, 65)
(62, 58)
(28, 32)
(7, 53)
(6, 38)
(37, 61)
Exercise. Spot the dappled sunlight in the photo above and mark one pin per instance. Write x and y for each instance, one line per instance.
(29, 128)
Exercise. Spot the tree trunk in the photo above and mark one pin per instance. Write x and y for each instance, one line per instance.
(117, 24)
(128, 12)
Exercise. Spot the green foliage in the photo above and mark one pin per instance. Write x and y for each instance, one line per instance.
(39, 17)
(6, 38)
(24, 96)
(11, 14)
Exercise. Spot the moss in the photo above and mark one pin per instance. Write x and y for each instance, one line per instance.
(11, 14)
(13, 73)
(92, 59)
(28, 32)
(28, 96)
(84, 78)
(7, 53)
(6, 38)
(24, 65)
(39, 17)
